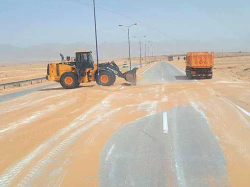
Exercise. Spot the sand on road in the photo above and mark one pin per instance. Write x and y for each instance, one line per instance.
(55, 136)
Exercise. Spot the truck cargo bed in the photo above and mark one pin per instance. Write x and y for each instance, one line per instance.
(199, 65)
(200, 59)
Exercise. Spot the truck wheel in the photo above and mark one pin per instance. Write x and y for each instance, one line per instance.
(69, 80)
(209, 77)
(106, 78)
(189, 75)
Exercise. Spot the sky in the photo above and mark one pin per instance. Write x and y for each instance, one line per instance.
(33, 22)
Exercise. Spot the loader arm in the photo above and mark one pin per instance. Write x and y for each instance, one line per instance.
(129, 76)
(112, 67)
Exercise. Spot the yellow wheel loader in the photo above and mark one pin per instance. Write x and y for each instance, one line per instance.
(82, 69)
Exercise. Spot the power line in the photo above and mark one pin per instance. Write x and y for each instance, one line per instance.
(123, 15)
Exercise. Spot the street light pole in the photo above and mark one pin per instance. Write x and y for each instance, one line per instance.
(152, 52)
(96, 45)
(145, 52)
(140, 53)
(129, 49)
(148, 51)
(148, 54)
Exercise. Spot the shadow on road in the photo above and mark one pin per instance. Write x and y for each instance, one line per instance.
(126, 84)
(61, 88)
(182, 77)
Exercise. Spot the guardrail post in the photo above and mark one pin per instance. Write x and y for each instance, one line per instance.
(19, 83)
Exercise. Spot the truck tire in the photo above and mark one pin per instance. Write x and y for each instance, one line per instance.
(69, 80)
(186, 71)
(189, 75)
(209, 77)
(106, 78)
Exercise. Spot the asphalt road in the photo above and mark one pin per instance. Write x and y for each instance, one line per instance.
(10, 96)
(166, 131)
(163, 72)
(173, 148)
(14, 95)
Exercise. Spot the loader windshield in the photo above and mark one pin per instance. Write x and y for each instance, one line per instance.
(84, 60)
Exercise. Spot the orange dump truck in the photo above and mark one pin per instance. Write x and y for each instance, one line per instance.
(199, 64)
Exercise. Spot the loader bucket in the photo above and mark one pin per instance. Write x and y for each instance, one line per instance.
(130, 76)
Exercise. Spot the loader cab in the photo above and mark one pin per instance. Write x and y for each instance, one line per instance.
(84, 60)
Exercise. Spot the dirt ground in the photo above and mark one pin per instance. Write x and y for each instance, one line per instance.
(227, 67)
(37, 130)
(18, 72)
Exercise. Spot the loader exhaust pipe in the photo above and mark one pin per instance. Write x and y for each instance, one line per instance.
(130, 76)
(62, 57)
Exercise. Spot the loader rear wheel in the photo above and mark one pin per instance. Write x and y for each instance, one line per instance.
(69, 80)
(106, 78)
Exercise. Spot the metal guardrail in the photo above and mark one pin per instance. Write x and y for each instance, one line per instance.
(21, 83)
(38, 80)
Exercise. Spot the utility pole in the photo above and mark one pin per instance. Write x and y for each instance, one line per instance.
(152, 48)
(140, 49)
(149, 51)
(96, 45)
(129, 50)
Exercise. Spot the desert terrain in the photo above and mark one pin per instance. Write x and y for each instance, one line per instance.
(229, 67)
(23, 71)
(166, 130)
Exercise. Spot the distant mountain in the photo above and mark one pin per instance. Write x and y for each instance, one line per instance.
(50, 52)
(107, 50)
(44, 52)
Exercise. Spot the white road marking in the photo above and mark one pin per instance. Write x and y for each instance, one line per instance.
(177, 68)
(46, 160)
(162, 89)
(165, 122)
(33, 117)
(7, 177)
(28, 103)
(230, 82)
(197, 108)
(243, 110)
(148, 69)
(77, 127)
(109, 153)
(177, 157)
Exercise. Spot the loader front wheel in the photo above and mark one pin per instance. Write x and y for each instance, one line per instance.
(113, 77)
(106, 78)
(69, 80)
